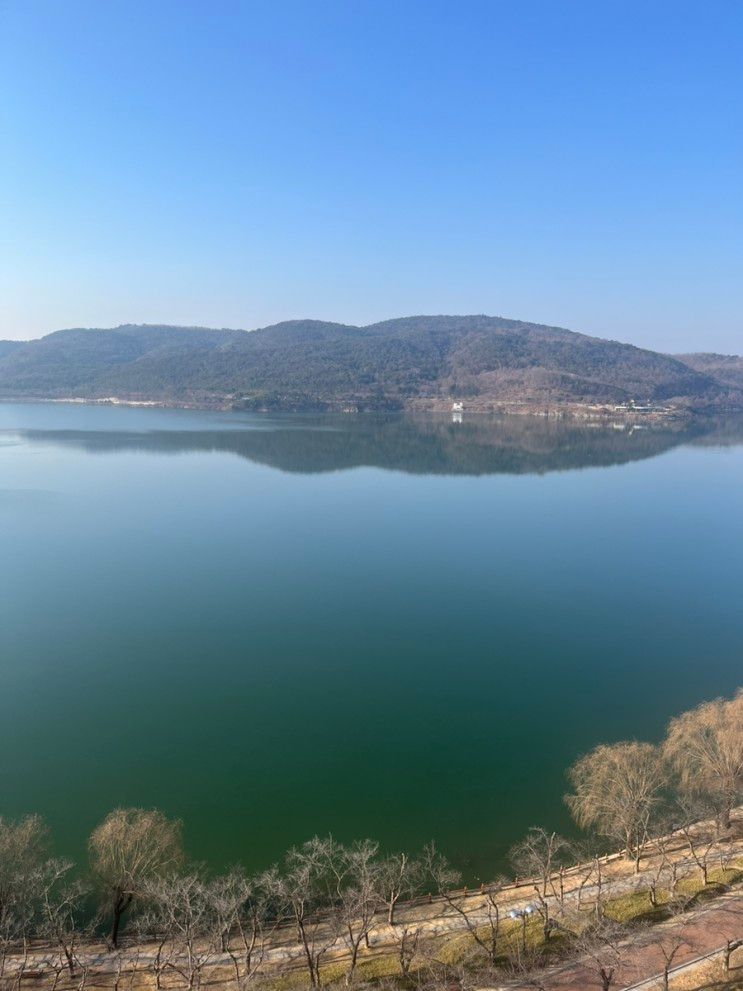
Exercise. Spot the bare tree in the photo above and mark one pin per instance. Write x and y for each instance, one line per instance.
(701, 844)
(22, 853)
(406, 939)
(616, 791)
(183, 910)
(589, 869)
(243, 921)
(482, 923)
(543, 856)
(151, 928)
(23, 847)
(308, 884)
(600, 946)
(479, 912)
(437, 874)
(400, 878)
(705, 747)
(669, 941)
(129, 848)
(656, 874)
(540, 855)
(62, 908)
(527, 966)
(360, 898)
(664, 872)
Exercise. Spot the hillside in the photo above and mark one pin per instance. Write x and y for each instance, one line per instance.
(489, 362)
(6, 347)
(725, 368)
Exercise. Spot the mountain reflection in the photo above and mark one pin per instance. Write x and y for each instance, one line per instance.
(415, 444)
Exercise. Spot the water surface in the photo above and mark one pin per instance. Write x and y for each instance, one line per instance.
(403, 628)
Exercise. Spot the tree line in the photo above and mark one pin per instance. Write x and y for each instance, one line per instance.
(629, 795)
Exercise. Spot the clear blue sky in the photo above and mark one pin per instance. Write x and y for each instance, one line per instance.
(576, 162)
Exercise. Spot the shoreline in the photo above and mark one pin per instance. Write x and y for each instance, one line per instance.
(598, 413)
(447, 921)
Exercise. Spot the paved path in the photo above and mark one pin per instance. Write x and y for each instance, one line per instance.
(439, 918)
(702, 930)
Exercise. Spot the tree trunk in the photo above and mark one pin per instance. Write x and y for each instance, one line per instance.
(121, 904)
(354, 958)
(70, 960)
(314, 982)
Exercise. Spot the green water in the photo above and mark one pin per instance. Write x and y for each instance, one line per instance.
(277, 626)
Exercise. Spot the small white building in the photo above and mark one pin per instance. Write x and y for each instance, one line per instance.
(457, 407)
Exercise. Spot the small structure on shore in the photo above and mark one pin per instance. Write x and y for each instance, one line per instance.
(457, 407)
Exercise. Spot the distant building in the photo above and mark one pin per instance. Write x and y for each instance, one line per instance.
(457, 407)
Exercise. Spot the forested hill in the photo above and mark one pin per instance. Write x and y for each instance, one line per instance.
(7, 346)
(310, 364)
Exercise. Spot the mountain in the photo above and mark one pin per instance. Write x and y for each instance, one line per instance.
(6, 347)
(725, 368)
(423, 361)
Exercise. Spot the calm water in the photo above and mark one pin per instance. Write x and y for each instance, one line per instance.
(272, 627)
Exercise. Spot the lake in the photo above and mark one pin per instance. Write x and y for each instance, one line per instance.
(404, 628)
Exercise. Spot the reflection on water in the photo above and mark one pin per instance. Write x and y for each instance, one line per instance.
(417, 445)
(406, 653)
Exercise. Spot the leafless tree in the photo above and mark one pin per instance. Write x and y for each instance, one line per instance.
(599, 879)
(483, 924)
(432, 973)
(23, 846)
(540, 855)
(243, 922)
(656, 875)
(437, 874)
(705, 747)
(22, 854)
(589, 869)
(407, 938)
(543, 856)
(62, 909)
(616, 791)
(182, 908)
(668, 941)
(361, 898)
(125, 970)
(58, 967)
(664, 872)
(400, 878)
(151, 928)
(600, 945)
(527, 966)
(702, 844)
(306, 886)
(129, 848)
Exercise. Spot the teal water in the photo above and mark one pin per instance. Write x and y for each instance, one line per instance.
(279, 626)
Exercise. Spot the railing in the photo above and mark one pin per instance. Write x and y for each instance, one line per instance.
(648, 982)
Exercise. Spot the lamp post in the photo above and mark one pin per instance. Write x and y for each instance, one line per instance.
(523, 914)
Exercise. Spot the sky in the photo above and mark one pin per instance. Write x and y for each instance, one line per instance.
(226, 163)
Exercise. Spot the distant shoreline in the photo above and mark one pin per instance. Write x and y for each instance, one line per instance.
(590, 412)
